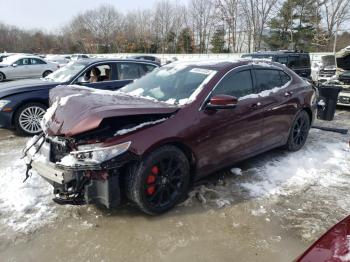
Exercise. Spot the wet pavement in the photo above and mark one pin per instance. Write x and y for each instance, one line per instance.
(272, 210)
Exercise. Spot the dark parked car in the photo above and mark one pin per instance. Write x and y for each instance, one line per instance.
(299, 62)
(154, 137)
(24, 102)
(147, 57)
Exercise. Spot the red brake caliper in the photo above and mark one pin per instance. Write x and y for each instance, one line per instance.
(151, 179)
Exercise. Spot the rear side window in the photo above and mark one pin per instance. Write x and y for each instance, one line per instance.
(285, 78)
(236, 84)
(294, 62)
(144, 69)
(282, 60)
(35, 61)
(133, 70)
(267, 79)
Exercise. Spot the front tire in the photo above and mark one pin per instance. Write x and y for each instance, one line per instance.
(2, 77)
(28, 117)
(46, 73)
(299, 131)
(160, 181)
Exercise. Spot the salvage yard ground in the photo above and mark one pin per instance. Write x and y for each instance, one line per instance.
(269, 208)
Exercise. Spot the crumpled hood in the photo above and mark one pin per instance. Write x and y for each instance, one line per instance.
(26, 85)
(343, 58)
(76, 109)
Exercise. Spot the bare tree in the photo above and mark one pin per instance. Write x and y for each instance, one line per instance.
(229, 12)
(336, 13)
(97, 28)
(257, 14)
(201, 12)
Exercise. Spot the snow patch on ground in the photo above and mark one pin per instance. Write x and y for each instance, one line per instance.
(24, 207)
(322, 162)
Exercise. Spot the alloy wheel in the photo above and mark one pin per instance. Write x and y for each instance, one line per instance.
(300, 131)
(164, 184)
(30, 118)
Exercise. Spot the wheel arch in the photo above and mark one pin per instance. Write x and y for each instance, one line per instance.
(309, 112)
(3, 74)
(23, 103)
(190, 155)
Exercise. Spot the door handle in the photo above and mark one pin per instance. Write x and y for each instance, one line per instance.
(288, 93)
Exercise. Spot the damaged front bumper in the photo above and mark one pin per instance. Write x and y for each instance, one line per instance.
(344, 97)
(89, 183)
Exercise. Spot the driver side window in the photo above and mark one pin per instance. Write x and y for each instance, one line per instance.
(24, 61)
(237, 84)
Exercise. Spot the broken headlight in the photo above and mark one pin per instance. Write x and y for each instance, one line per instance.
(96, 153)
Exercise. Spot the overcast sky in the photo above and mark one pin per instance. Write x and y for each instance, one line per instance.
(51, 14)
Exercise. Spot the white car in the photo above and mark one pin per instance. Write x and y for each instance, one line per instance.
(76, 57)
(25, 66)
(57, 59)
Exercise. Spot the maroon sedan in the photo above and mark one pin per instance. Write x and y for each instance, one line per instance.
(333, 246)
(149, 141)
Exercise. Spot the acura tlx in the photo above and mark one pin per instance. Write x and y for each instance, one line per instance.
(151, 139)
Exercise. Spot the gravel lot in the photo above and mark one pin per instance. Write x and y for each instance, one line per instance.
(271, 209)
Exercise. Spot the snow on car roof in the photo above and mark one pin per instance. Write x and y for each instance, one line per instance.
(13, 58)
(222, 64)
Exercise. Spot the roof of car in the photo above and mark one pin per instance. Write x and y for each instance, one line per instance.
(280, 52)
(106, 60)
(212, 64)
(223, 64)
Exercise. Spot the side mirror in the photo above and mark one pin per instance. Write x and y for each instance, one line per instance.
(82, 80)
(222, 102)
(14, 65)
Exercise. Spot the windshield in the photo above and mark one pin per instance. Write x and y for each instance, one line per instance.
(176, 84)
(64, 74)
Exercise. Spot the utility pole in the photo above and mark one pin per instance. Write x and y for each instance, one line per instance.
(335, 39)
(291, 29)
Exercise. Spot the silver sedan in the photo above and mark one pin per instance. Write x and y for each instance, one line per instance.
(25, 66)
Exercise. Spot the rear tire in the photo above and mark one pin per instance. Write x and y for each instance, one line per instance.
(46, 73)
(2, 77)
(299, 131)
(28, 117)
(160, 181)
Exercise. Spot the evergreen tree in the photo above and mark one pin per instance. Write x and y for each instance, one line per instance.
(295, 26)
(218, 41)
(186, 42)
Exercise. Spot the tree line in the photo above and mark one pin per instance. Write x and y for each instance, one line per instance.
(200, 26)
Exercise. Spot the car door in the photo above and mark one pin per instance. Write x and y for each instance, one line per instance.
(106, 80)
(277, 108)
(37, 67)
(231, 133)
(21, 69)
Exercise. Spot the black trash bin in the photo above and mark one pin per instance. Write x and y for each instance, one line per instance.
(329, 94)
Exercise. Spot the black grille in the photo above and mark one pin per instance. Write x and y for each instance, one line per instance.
(58, 150)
